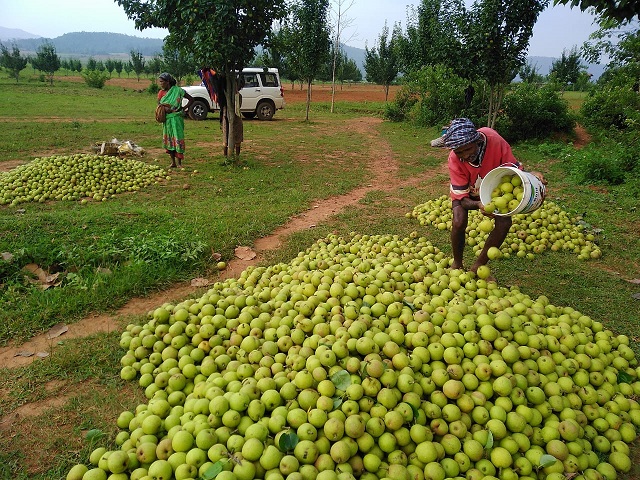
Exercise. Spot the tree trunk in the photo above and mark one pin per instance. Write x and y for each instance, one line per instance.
(496, 94)
(308, 99)
(230, 112)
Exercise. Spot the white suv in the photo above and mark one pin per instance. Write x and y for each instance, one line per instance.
(262, 95)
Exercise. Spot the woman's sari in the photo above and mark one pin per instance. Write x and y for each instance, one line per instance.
(173, 127)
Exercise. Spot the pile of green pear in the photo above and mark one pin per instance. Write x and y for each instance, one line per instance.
(368, 357)
(547, 228)
(76, 177)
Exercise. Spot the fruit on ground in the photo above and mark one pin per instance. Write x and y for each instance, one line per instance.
(444, 370)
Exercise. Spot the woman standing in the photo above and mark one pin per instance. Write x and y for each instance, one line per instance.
(171, 95)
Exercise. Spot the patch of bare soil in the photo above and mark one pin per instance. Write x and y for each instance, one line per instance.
(383, 166)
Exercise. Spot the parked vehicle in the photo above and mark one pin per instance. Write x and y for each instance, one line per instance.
(262, 95)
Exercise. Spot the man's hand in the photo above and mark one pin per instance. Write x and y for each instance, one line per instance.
(540, 177)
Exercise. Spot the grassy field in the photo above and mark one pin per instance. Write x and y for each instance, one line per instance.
(174, 231)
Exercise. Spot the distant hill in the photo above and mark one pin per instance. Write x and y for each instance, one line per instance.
(105, 44)
(94, 44)
(14, 34)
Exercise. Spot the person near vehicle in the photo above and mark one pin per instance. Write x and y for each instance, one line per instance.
(474, 153)
(171, 96)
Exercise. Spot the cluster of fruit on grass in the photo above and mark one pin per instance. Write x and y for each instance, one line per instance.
(75, 177)
(547, 228)
(506, 196)
(368, 357)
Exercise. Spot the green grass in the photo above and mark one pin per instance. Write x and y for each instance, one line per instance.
(168, 232)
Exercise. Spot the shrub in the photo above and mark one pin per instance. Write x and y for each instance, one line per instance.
(612, 106)
(95, 78)
(430, 96)
(153, 88)
(531, 112)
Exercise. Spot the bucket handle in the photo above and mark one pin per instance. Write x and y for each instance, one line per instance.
(510, 164)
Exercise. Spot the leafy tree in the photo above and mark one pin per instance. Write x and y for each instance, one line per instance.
(310, 32)
(12, 61)
(154, 66)
(118, 66)
(100, 66)
(381, 62)
(110, 66)
(347, 70)
(92, 64)
(47, 60)
(566, 70)
(177, 61)
(434, 35)
(137, 63)
(221, 34)
(273, 53)
(529, 73)
(497, 37)
(623, 10)
(128, 68)
(620, 42)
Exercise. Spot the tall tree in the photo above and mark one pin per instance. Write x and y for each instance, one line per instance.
(118, 65)
(310, 40)
(12, 61)
(529, 73)
(381, 62)
(497, 38)
(47, 60)
(434, 35)
(137, 62)
(621, 11)
(340, 22)
(178, 61)
(221, 34)
(566, 70)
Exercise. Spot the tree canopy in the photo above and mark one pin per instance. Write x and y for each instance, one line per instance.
(307, 41)
(623, 10)
(47, 60)
(221, 34)
(381, 62)
(12, 60)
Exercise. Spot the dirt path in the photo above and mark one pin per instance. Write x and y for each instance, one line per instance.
(383, 166)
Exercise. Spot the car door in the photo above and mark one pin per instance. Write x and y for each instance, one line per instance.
(251, 91)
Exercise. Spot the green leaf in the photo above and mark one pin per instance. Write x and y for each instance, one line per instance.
(547, 460)
(341, 379)
(213, 471)
(489, 441)
(410, 305)
(624, 377)
(288, 441)
(337, 401)
(416, 412)
(94, 434)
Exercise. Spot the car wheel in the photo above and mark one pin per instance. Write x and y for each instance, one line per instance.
(198, 110)
(248, 114)
(265, 111)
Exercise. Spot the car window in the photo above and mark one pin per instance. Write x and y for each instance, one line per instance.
(250, 80)
(269, 79)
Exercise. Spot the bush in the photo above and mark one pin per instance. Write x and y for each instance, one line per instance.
(153, 88)
(612, 106)
(532, 112)
(431, 96)
(95, 78)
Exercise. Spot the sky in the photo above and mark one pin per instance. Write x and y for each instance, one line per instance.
(558, 28)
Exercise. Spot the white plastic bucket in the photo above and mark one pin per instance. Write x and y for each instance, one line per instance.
(532, 197)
